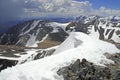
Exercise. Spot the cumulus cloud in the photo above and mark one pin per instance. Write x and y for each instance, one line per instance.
(20, 9)
(57, 7)
(53, 8)
(108, 12)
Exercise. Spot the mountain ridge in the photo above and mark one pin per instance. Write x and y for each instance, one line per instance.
(29, 33)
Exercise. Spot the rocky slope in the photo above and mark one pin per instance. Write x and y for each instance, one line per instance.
(77, 46)
(14, 55)
(45, 34)
(39, 33)
(84, 70)
(32, 32)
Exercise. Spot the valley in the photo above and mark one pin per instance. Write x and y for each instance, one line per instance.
(51, 49)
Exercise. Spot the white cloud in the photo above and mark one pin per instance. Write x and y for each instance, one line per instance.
(57, 7)
(16, 9)
(63, 8)
(109, 12)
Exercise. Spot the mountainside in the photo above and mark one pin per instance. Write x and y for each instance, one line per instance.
(107, 28)
(32, 32)
(14, 55)
(46, 68)
(39, 33)
(47, 50)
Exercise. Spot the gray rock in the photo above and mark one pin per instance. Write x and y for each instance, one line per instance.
(85, 70)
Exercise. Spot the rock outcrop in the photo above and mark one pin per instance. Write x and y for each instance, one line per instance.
(84, 70)
(4, 63)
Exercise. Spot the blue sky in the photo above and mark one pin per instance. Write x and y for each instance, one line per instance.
(112, 4)
(15, 10)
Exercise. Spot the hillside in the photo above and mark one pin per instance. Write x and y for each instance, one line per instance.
(34, 32)
(46, 68)
(87, 48)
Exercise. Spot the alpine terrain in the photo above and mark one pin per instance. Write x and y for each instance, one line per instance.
(86, 48)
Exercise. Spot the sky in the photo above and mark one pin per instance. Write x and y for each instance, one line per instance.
(111, 4)
(15, 10)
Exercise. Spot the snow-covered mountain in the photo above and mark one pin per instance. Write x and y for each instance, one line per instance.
(36, 31)
(104, 28)
(39, 33)
(46, 68)
(86, 37)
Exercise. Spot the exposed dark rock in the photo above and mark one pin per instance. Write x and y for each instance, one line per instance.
(10, 51)
(101, 33)
(85, 70)
(118, 32)
(108, 30)
(59, 36)
(111, 33)
(44, 54)
(40, 54)
(21, 33)
(70, 26)
(81, 27)
(4, 63)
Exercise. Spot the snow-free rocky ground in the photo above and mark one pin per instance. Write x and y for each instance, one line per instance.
(77, 46)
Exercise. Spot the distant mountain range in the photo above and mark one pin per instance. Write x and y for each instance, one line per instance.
(39, 32)
(46, 49)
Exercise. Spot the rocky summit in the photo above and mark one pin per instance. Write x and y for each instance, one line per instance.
(85, 70)
(30, 33)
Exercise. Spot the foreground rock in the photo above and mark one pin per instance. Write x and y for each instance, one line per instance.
(84, 70)
(4, 63)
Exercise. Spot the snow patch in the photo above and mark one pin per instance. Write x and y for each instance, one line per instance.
(35, 23)
(55, 25)
(89, 48)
